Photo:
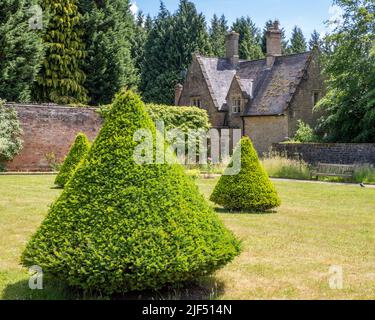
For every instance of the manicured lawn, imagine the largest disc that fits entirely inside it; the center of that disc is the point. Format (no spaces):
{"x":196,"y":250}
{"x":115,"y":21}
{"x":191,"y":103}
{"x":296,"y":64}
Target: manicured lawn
{"x":286,"y":254}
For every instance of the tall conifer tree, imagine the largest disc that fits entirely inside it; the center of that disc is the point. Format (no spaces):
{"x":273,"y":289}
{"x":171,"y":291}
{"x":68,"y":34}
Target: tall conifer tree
{"x":21,"y":50}
{"x":169,"y":48}
{"x":315,"y":40}
{"x":61,"y":78}
{"x":297,"y":42}
{"x":109,"y":30}
{"x":218,"y":32}
{"x":250,"y":48}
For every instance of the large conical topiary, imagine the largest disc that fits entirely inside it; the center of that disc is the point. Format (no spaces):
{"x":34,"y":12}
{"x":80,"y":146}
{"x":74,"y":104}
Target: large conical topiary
{"x":120,"y":226}
{"x":251,"y":189}
{"x":78,"y":151}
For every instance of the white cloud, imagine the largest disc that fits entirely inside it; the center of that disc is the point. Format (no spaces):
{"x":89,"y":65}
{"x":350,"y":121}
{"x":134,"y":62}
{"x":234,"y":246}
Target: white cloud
{"x":335,"y":17}
{"x":134,"y":8}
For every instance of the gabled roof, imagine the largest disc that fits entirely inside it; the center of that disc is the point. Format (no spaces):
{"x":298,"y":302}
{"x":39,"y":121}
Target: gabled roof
{"x":273,"y":88}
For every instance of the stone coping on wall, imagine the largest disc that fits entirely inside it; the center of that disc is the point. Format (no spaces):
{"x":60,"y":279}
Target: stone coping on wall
{"x":333,"y":153}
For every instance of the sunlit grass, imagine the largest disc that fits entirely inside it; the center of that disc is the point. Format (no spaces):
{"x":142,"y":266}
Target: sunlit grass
{"x":286,"y":255}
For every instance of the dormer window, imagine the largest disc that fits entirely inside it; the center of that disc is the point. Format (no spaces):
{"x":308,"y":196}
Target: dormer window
{"x":196,"y":102}
{"x":236,"y":105}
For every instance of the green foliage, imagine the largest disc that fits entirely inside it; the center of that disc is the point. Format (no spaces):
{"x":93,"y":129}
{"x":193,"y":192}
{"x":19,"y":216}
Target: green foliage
{"x":77,"y":153}
{"x":184,"y":118}
{"x":108,"y":35}
{"x":249,"y":43}
{"x":305,"y":133}
{"x":10,"y":133}
{"x":21,"y":51}
{"x":251,"y":189}
{"x":315,"y":41}
{"x":297,"y":42}
{"x":349,"y":66}
{"x":169,"y":49}
{"x":120,"y":226}
{"x":218,"y":32}
{"x":61,"y":79}
{"x":364,"y":174}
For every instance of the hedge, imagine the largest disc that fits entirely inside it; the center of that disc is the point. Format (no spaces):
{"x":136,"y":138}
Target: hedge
{"x":184,"y":118}
{"x":251,"y":189}
{"x":120,"y":226}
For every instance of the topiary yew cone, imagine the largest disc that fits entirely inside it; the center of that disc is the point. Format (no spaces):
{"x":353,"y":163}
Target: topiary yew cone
{"x":251,"y":189}
{"x":119,"y":226}
{"x":77,"y":153}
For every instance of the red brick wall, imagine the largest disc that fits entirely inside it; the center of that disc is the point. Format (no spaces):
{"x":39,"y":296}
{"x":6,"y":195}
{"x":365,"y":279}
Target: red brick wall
{"x":51,"y":129}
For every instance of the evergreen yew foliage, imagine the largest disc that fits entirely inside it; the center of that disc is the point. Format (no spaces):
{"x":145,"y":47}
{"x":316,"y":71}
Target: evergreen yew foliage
{"x":61,"y":79}
{"x":77,"y":153}
{"x":120,"y":226}
{"x":251,"y":189}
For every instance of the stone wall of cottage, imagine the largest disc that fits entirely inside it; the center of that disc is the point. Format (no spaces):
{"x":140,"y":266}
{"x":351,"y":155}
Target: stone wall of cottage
{"x":196,"y":87}
{"x":301,"y":107}
{"x":265,"y":131}
{"x":50,"y":130}
{"x":235,"y":119}
{"x":332,"y":153}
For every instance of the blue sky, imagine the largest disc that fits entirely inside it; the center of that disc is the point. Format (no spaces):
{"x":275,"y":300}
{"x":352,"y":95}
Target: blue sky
{"x":307,"y":14}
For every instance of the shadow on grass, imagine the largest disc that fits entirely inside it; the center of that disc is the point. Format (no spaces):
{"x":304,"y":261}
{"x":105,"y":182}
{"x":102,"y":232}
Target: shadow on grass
{"x":204,"y":289}
{"x":259,"y":213}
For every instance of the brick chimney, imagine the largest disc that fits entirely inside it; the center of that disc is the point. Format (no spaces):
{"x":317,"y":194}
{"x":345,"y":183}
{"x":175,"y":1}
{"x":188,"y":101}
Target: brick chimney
{"x":231,"y":45}
{"x":273,"y":43}
{"x":178,"y":92}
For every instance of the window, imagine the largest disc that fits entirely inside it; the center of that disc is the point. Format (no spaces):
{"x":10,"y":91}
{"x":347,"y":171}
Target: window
{"x":196,"y":102}
{"x":316,"y":97}
{"x":236,"y":106}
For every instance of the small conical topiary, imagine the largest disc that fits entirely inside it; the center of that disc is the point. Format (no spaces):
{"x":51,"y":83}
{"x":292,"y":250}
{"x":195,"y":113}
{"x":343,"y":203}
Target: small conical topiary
{"x":120,"y":226}
{"x":251,"y":189}
{"x":78,"y":151}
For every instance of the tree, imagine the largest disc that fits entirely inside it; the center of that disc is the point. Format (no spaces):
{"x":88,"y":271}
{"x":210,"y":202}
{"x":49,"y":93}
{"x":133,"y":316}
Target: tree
{"x":77,"y":153}
{"x":349,"y":66}
{"x":218,"y":31}
{"x":297,"y":42}
{"x":251,"y":189}
{"x":122,"y":226}
{"x":249,"y":44}
{"x":61,"y":78}
{"x":108,"y":36}
{"x":141,"y":29}
{"x":315,"y":41}
{"x":10,"y":133}
{"x":21,"y":50}
{"x":169,"y":49}
{"x":284,"y":42}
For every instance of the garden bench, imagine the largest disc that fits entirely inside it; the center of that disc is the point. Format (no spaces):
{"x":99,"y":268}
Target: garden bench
{"x":333,"y":170}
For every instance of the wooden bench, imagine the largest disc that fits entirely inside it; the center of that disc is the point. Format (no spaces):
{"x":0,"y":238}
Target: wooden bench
{"x":333,"y":170}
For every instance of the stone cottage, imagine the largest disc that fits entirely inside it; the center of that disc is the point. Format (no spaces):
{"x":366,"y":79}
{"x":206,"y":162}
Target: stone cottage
{"x":265,"y":98}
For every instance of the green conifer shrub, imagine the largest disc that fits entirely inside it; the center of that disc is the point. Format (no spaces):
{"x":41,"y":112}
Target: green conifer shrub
{"x":251,"y":189}
{"x":78,"y":151}
{"x":120,"y":226}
